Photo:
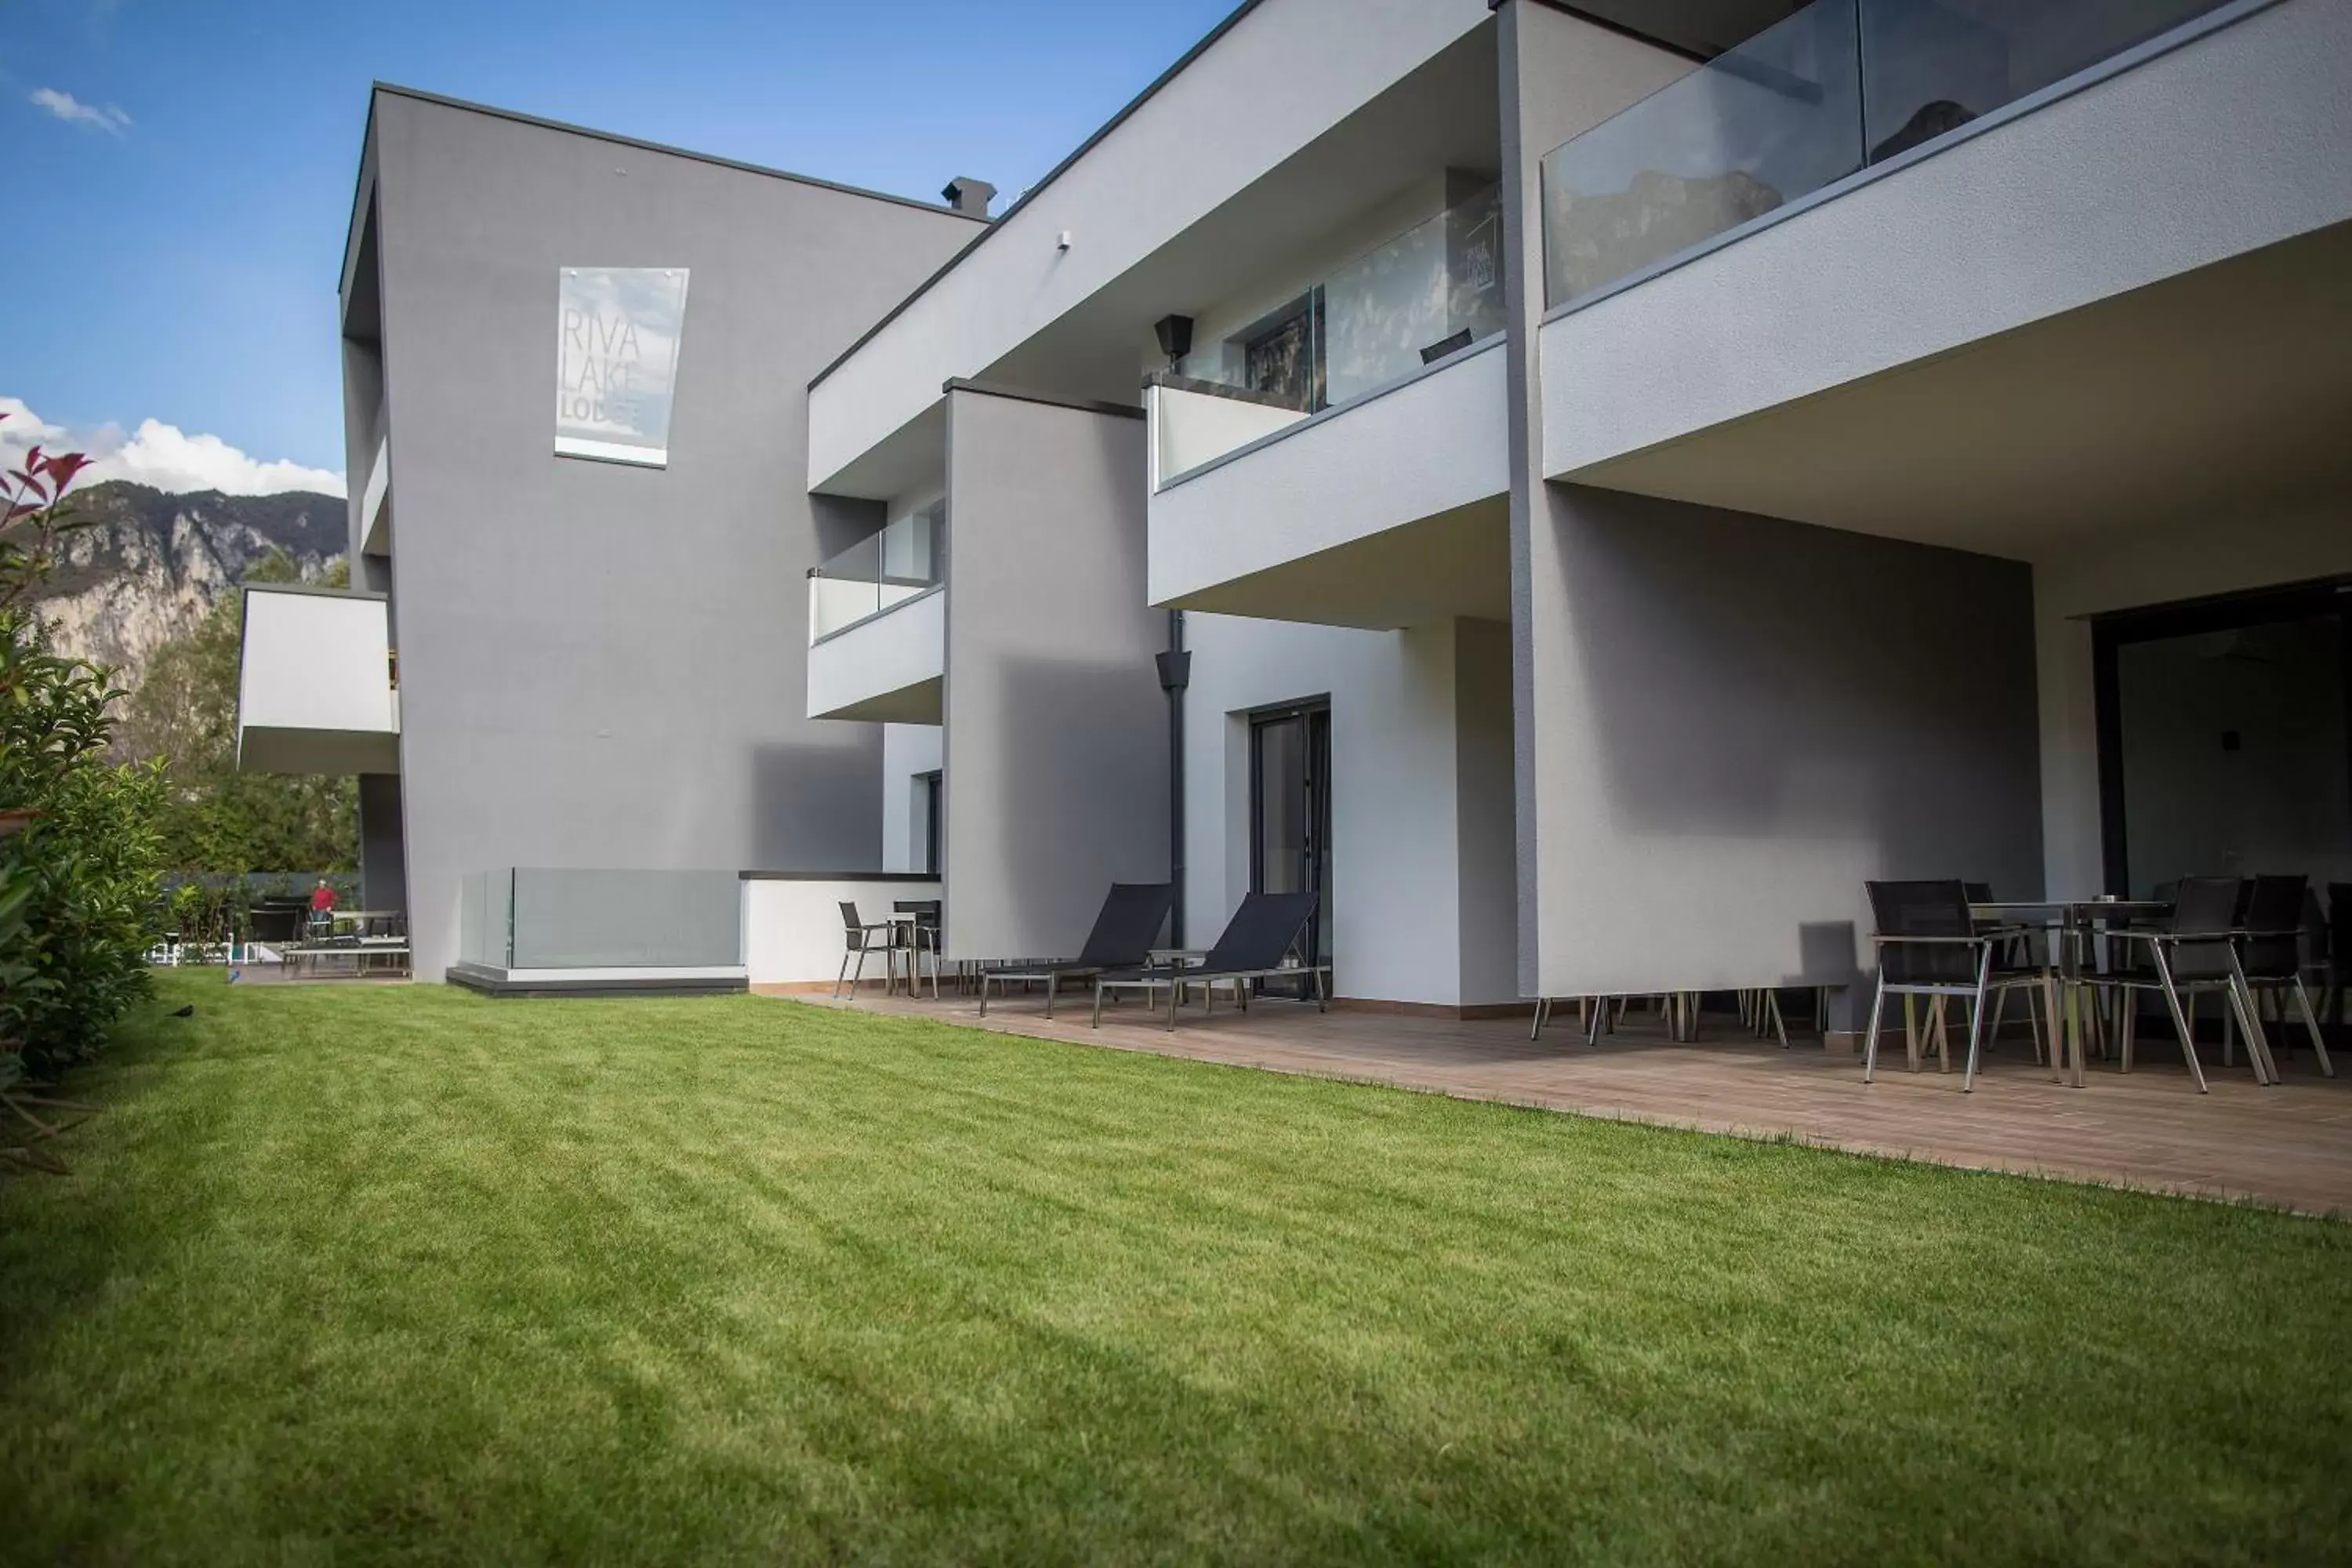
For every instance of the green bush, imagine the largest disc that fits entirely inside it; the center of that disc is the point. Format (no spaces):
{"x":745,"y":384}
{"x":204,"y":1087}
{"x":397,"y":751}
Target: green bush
{"x":78,"y":863}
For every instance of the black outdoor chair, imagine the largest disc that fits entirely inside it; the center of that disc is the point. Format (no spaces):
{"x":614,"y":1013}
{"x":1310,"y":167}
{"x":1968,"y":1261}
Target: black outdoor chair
{"x":916,"y":937}
{"x":1258,"y":944}
{"x":1930,"y":945}
{"x":1124,"y":928}
{"x":2270,"y":960}
{"x":2018,"y":954}
{"x":2189,"y":955}
{"x":861,"y":936}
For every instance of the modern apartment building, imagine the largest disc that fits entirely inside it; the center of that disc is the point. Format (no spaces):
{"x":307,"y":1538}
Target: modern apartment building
{"x":1583,"y":486}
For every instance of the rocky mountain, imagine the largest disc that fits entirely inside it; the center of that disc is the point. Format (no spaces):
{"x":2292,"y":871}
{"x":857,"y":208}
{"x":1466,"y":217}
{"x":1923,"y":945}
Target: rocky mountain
{"x":155,"y":562}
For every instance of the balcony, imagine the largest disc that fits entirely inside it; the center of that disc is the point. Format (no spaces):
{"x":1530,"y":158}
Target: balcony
{"x":316,"y":688}
{"x":1765,"y":274}
{"x":1343,"y":458}
{"x":1840,"y":87}
{"x":1288,"y":117}
{"x":1413,"y":301}
{"x":877,"y":625}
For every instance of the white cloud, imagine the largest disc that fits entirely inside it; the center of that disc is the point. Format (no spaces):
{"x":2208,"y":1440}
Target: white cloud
{"x":158,"y":454}
{"x":65,"y":106}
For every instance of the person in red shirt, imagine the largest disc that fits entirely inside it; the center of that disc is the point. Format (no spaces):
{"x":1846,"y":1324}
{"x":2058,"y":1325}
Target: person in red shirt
{"x":322,"y":904}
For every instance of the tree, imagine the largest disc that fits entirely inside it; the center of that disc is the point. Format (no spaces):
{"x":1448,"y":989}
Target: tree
{"x":217,"y":819}
{"x":78,"y":841}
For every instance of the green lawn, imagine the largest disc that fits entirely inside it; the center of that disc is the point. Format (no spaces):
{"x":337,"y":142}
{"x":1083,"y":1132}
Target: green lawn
{"x":405,"y":1274}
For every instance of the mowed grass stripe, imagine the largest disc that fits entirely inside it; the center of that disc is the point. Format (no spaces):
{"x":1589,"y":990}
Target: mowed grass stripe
{"x":391,"y":1275}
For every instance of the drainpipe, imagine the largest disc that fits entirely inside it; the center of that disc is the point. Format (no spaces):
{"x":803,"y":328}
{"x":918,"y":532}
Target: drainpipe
{"x":1175,"y":674}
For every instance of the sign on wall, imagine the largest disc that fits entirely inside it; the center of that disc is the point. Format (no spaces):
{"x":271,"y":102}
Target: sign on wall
{"x":617,"y":331}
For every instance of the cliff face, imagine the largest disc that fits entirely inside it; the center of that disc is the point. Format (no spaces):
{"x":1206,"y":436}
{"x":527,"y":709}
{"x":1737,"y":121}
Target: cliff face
{"x":156,"y":563}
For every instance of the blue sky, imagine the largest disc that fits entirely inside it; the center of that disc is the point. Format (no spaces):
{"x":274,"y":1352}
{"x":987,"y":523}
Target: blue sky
{"x":184,"y":167}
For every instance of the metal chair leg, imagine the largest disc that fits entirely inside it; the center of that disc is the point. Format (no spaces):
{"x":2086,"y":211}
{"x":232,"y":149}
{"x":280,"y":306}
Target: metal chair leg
{"x":2180,"y":1019}
{"x":841,"y":974}
{"x":1870,"y":1040}
{"x":2258,"y":1042}
{"x":1780,"y":1025}
{"x":1976,"y":1020}
{"x":2311,"y":1023}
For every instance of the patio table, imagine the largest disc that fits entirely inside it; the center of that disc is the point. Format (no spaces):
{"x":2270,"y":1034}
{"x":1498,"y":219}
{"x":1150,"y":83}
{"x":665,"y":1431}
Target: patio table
{"x":2073,"y":924}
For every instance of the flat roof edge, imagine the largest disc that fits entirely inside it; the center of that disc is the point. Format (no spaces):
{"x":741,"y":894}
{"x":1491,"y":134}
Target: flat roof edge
{"x":640,"y":144}
{"x":1055,"y":172}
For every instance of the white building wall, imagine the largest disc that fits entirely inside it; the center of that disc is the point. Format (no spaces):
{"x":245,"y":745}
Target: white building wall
{"x":1396,"y":856}
{"x":793,"y":930}
{"x":909,"y":752}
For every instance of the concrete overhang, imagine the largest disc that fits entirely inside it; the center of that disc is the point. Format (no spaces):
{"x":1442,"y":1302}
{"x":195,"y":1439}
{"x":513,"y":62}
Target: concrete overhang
{"x":888,"y":669}
{"x":1388,"y":512}
{"x":2204,"y":396}
{"x":1176,"y":207}
{"x":314,"y":684}
{"x":2040,"y":319}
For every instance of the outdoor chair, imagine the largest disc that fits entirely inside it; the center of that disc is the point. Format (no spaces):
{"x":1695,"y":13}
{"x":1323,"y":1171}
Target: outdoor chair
{"x":2270,"y":962}
{"x":2192,"y":954}
{"x":917,"y":936}
{"x":1258,"y":944}
{"x":860,"y":937}
{"x":1929,"y":945}
{"x":1124,"y":928}
{"x":2017,"y":954}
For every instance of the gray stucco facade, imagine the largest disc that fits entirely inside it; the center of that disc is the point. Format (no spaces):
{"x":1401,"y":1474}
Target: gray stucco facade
{"x":1737,"y":721}
{"x":1056,"y":730}
{"x":603,"y":665}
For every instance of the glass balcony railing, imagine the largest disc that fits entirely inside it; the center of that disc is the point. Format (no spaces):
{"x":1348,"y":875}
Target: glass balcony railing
{"x":1423,"y":294}
{"x":879,"y":572}
{"x":1839,"y":86}
{"x":541,"y":919}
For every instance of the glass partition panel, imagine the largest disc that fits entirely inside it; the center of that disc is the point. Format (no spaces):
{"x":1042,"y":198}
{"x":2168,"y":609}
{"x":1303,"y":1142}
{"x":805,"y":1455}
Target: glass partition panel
{"x":485,"y":918}
{"x":906,"y":558}
{"x":1409,"y":301}
{"x":1805,"y":102}
{"x":1433,"y":289}
{"x":1775,"y":118}
{"x":1932,"y":66}
{"x":627,"y":920}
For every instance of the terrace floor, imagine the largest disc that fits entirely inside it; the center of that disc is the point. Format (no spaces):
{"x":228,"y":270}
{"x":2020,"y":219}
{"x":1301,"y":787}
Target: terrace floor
{"x":2289,"y":1146}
